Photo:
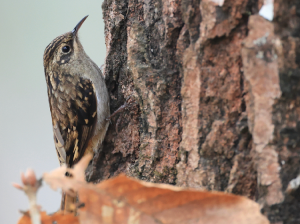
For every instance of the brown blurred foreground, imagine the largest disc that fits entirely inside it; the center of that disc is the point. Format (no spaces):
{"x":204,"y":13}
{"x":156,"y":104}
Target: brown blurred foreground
{"x":125,"y":200}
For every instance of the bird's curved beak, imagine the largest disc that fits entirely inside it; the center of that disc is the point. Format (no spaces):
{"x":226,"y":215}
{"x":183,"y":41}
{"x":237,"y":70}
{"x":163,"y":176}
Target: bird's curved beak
{"x":77,"y":27}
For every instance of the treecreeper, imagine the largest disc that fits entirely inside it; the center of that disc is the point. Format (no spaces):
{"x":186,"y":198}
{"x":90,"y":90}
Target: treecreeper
{"x":79,"y":102}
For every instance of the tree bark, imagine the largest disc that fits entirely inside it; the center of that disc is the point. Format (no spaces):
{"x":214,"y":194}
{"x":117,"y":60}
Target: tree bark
{"x":216,"y":88}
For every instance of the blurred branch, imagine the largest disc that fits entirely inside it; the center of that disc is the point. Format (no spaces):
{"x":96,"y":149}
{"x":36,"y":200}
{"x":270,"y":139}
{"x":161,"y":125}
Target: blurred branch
{"x":31,"y":186}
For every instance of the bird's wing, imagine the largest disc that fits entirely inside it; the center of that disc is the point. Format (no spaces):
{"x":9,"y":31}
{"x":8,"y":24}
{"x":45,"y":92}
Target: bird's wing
{"x":73,"y":108}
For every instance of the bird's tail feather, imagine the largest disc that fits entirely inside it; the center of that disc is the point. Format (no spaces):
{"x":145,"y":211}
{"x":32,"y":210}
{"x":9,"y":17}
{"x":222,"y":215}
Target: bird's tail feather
{"x":68,"y":203}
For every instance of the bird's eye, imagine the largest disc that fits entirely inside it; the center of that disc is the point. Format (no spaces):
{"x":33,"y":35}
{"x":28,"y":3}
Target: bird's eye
{"x":65,"y":49}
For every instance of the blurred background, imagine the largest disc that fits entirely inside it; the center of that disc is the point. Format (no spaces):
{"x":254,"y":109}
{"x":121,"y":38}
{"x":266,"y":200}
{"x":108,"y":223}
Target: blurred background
{"x":26,"y":28}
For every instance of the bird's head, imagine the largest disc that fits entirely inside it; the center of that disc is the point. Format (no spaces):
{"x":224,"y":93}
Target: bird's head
{"x":65,"y":49}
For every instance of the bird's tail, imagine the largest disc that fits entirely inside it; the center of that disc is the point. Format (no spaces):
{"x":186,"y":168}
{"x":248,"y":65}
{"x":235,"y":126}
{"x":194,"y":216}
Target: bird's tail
{"x":68,"y":203}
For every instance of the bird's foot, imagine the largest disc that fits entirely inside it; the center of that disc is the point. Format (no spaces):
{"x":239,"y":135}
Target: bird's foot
{"x":128,"y":103}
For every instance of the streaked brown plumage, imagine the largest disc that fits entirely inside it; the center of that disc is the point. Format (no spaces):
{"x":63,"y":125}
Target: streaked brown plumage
{"x":78,"y":98}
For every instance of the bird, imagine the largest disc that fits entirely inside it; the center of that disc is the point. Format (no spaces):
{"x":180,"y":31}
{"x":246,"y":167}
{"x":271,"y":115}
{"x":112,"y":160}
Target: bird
{"x":78,"y":99}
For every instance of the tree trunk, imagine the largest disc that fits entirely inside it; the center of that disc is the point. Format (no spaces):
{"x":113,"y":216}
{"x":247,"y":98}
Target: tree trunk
{"x":216,"y":91}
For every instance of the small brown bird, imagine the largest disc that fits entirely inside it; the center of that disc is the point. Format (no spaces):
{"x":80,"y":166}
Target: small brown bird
{"x":79,"y":101}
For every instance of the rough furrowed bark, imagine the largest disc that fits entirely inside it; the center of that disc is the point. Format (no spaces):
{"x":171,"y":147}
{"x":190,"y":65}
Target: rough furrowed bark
{"x":216,"y":92}
{"x":141,"y":40}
